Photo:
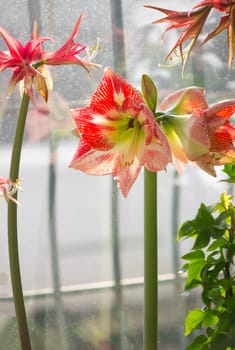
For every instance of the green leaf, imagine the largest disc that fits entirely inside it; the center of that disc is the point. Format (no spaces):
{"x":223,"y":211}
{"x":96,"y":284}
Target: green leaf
{"x":231,"y":333}
{"x":194,"y":267}
{"x":230,"y":303}
{"x":215,"y":296}
{"x":229,"y":180}
{"x":198,"y":343}
{"x":205,"y":299}
{"x":221,"y":219}
{"x":203,"y":227}
{"x":211,"y":272}
{"x":201,"y":241}
{"x":192,"y":283}
{"x":220,"y":342}
{"x":229,"y":169}
{"x":218,"y":243}
{"x":225,"y":323}
{"x":209,"y":331}
{"x":226,"y":284}
{"x":218,"y":230}
{"x":186,"y":229}
{"x":149,"y":92}
{"x":204,"y":219}
{"x":210,"y":319}
{"x":193,"y":320}
{"x":196,"y":255}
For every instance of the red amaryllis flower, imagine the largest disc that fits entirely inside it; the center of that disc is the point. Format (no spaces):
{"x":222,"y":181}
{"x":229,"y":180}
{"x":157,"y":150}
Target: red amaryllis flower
{"x":8,"y":189}
{"x":69,"y":52}
{"x":197,"y":132}
{"x":191,"y":22}
{"x":118,"y":134}
{"x":21,"y":59}
{"x":28,"y":62}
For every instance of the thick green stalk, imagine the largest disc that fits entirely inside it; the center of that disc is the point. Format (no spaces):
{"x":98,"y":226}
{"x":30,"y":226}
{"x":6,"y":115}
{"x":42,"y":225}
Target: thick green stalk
{"x":12,"y":230}
{"x":150,"y":261}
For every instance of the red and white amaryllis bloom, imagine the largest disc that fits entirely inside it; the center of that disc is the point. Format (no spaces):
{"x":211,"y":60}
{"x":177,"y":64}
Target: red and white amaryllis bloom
{"x":118,"y":134}
{"x":198,"y":132}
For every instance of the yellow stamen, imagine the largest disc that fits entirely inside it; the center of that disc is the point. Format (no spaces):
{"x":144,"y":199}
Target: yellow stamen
{"x":132,"y":149}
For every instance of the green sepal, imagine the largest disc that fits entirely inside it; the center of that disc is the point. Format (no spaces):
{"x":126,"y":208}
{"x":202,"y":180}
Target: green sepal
{"x":149,"y":92}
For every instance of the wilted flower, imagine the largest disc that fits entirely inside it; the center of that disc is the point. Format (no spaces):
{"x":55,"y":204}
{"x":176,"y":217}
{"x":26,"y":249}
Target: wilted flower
{"x":118,"y":134}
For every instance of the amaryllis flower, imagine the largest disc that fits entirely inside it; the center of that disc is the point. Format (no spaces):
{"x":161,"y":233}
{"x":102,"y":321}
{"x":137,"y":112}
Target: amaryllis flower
{"x":118,"y":134}
{"x":191,"y":22}
{"x":8,"y":189}
{"x":197,"y":132}
{"x":227,"y":22}
{"x":29,"y":61}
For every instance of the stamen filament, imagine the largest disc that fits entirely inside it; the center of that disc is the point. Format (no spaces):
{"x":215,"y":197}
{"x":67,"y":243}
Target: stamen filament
{"x":130,"y":155}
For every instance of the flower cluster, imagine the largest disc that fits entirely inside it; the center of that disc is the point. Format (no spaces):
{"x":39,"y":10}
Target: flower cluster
{"x":122,"y":129}
{"x":119,"y":133}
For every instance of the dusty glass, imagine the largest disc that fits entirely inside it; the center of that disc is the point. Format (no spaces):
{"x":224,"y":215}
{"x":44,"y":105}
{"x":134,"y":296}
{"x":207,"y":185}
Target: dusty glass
{"x":81,"y":242}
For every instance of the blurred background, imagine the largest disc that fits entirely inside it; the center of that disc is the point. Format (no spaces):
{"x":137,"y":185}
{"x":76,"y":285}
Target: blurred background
{"x":80,"y":241}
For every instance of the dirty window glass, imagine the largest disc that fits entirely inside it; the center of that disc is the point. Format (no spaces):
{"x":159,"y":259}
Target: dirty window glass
{"x":81,"y":242}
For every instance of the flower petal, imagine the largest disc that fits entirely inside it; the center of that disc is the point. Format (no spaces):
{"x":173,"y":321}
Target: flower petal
{"x":114,"y":90}
{"x":184,"y":101}
{"x":91,"y":161}
{"x":69,"y":51}
{"x":157,"y":154}
{"x":126,"y":175}
{"x":93,"y":128}
{"x":175,"y":143}
{"x":220,"y":112}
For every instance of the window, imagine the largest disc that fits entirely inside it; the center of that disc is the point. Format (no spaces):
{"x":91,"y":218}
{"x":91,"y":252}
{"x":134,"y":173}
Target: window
{"x":80,"y":241}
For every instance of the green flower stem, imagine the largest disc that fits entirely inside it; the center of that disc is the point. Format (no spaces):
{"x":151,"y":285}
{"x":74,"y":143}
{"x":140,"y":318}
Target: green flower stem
{"x":12,"y":230}
{"x":150,"y":261}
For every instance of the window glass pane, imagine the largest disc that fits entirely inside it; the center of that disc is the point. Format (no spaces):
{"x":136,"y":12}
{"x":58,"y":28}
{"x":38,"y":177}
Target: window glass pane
{"x":78,"y":237}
